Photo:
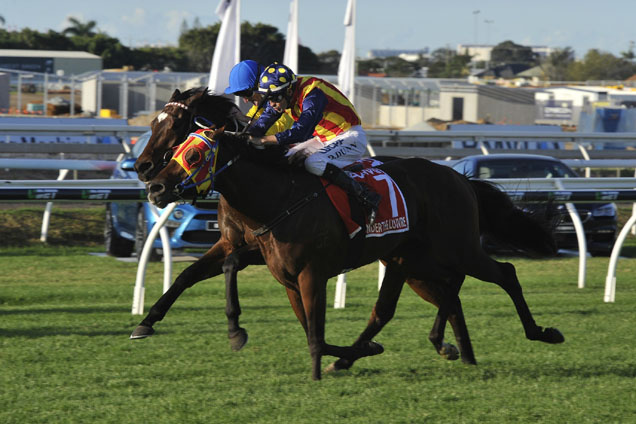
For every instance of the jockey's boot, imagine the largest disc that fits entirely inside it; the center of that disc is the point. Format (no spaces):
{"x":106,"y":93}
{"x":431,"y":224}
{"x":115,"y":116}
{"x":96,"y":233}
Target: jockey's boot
{"x":369,"y":199}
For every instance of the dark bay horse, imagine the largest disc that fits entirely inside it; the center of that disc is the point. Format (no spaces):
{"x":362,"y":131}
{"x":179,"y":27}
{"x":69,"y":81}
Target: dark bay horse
{"x":234,"y":250}
{"x":237,"y":247}
{"x":303,"y":251}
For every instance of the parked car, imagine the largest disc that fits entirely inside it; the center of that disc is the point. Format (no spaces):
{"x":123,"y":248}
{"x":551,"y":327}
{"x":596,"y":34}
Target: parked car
{"x":128,"y":224}
{"x":599,"y":219}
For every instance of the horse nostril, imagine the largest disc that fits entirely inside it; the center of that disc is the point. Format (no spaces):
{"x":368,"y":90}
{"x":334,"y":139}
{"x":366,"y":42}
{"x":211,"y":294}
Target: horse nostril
{"x":144,"y":167}
{"x":156,"y":189}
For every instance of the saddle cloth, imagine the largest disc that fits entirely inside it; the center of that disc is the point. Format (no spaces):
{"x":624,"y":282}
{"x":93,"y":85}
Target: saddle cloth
{"x":392,"y":216}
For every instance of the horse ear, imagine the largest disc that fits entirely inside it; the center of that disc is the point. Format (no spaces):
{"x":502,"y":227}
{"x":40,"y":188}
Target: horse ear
{"x":175,"y":94}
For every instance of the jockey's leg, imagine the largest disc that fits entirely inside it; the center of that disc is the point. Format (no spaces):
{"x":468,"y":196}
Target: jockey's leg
{"x":340,"y":151}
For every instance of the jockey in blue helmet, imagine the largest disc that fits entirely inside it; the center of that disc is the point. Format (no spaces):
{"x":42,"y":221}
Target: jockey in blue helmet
{"x":244,"y":83}
{"x":327,"y":130}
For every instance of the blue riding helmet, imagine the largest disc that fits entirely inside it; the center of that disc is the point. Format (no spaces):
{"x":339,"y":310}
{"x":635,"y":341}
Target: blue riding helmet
{"x":244,"y":76}
{"x":276,"y":77}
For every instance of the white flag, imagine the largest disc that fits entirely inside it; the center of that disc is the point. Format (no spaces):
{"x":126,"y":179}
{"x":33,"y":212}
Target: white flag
{"x":291,"y":45}
{"x":227,"y":51}
{"x":346,"y":69}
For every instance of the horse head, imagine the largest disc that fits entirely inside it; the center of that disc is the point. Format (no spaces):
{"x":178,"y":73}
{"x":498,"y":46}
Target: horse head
{"x":185,"y":112}
{"x":192,"y":168}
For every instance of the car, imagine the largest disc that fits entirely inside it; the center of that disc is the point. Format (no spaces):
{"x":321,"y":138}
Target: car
{"x":599,"y":220}
{"x":127,"y":224}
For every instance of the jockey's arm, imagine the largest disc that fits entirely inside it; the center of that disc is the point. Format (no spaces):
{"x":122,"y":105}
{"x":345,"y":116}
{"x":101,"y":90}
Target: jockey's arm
{"x":284,"y":121}
{"x":266,"y":119}
{"x":313,"y":109}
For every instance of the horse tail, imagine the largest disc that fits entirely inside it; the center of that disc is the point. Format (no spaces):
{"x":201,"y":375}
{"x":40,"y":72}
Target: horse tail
{"x":500,"y":219}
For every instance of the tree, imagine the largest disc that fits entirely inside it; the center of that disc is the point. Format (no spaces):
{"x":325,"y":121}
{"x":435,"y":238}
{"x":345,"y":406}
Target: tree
{"x":260,"y":42}
{"x":112,"y":52}
{"x":507,"y":52}
{"x":2,"y":21}
{"x":79,"y":28}
{"x":629,"y":54}
{"x":446,"y":63}
{"x":557,"y":65}
{"x":598,"y":65}
{"x":198,"y":46}
{"x":184,"y":27}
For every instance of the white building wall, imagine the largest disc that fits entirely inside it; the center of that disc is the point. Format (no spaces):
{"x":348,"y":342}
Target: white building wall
{"x":509,"y":113}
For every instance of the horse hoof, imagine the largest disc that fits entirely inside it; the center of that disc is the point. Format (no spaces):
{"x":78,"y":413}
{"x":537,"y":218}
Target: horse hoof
{"x":374,"y":348}
{"x":238,"y":339}
{"x":449,"y":352}
{"x":339,"y":365}
{"x":552,"y":335}
{"x":141,"y":332}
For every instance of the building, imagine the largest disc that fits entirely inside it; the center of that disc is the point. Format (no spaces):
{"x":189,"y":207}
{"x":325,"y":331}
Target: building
{"x":481,"y":52}
{"x":408,"y":55}
{"x":50,"y":61}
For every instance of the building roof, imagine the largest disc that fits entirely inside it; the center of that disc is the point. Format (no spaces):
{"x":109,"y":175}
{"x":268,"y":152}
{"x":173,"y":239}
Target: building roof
{"x":47,"y":53}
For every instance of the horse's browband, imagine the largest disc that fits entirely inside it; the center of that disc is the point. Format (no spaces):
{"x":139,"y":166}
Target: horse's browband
{"x":181,"y":105}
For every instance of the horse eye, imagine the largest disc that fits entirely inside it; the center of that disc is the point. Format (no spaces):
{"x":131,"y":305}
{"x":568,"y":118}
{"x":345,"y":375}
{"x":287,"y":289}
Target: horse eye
{"x":193,"y":157}
{"x":167,"y":156}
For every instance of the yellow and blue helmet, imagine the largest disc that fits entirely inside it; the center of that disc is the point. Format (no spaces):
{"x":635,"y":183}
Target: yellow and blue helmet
{"x":276,"y":78}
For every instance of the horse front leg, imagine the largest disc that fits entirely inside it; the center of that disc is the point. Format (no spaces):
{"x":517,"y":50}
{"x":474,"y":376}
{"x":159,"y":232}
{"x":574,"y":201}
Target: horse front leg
{"x":312,"y":289}
{"x":234,"y":262}
{"x":207,"y":266}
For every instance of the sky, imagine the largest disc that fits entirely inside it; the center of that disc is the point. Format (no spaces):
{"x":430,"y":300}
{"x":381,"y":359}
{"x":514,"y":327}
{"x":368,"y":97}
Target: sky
{"x":380,"y":24}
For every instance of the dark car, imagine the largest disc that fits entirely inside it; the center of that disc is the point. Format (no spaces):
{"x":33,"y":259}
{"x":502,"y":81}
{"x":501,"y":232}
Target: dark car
{"x":128,"y":224}
{"x":599,"y":219}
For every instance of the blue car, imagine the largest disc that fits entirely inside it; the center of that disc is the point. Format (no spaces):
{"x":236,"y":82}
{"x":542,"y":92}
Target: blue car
{"x":128,"y":224}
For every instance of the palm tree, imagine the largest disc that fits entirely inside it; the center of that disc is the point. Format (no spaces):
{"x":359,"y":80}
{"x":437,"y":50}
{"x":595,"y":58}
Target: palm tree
{"x":79,"y":28}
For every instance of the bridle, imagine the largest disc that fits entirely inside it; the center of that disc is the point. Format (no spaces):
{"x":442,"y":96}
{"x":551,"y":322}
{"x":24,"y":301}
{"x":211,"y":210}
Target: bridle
{"x":199,"y":121}
{"x":208,"y":163}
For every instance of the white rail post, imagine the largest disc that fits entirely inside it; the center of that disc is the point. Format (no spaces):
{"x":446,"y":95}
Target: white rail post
{"x":610,"y":279}
{"x":341,"y":292}
{"x":44,"y":232}
{"x":381,"y":273}
{"x":167,"y":252}
{"x":138,"y":294}
{"x":580,"y":236}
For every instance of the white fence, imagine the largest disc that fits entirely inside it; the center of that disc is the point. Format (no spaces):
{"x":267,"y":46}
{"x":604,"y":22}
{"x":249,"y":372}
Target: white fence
{"x":587,"y":147}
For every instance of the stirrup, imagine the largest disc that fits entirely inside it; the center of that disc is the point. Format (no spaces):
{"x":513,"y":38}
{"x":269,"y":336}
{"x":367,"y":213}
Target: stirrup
{"x":372,"y":217}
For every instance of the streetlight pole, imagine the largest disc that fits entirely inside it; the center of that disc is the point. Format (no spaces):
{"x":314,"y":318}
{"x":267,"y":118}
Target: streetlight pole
{"x":488,"y":22}
{"x":475,"y":14}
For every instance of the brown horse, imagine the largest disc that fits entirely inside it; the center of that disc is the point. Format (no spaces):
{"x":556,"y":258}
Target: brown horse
{"x":185,"y":112}
{"x":238,"y":248}
{"x":304,"y":250}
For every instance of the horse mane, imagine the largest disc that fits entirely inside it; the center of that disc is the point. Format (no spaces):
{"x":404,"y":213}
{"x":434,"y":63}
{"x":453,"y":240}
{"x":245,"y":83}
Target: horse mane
{"x":209,"y":101}
{"x":271,"y":156}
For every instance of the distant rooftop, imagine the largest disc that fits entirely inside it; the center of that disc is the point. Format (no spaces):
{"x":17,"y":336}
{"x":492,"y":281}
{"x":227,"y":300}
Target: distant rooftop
{"x":382,"y":53}
{"x":47,"y":53}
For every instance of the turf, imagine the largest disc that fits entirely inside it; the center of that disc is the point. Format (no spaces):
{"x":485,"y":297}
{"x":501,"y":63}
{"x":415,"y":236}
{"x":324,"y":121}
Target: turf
{"x":65,"y":356}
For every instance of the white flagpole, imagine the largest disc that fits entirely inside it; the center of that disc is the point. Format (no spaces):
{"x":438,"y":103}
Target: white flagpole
{"x":346,"y":69}
{"x":227,"y":51}
{"x":290,"y":57}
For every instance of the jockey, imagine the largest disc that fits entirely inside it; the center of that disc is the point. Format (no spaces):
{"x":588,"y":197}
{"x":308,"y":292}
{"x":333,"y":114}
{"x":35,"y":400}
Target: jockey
{"x":327,"y":130}
{"x":244,"y":84}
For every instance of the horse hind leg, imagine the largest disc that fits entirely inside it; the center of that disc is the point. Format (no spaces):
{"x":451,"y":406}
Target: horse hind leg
{"x":504,"y":275}
{"x":383,"y":311}
{"x":444,"y":295}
